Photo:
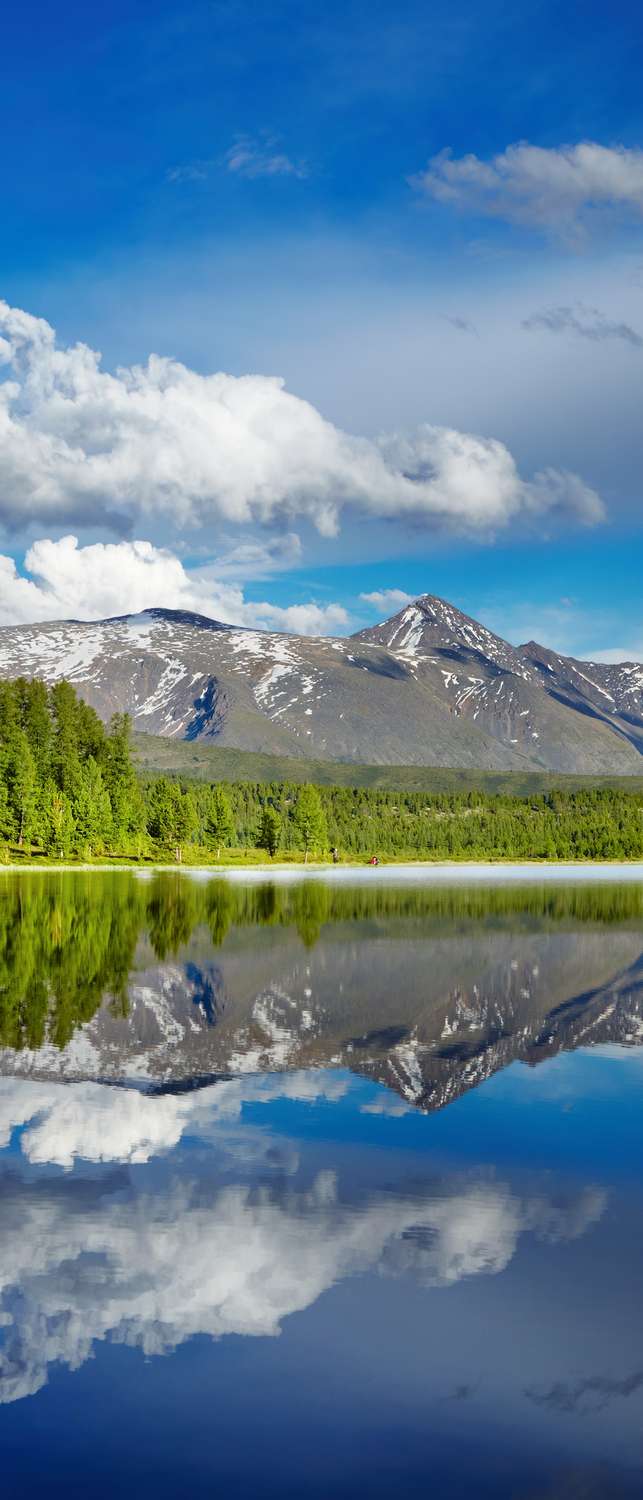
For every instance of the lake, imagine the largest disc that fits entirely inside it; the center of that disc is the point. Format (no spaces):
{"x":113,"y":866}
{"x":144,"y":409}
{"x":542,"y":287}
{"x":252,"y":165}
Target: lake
{"x":320,"y":1189}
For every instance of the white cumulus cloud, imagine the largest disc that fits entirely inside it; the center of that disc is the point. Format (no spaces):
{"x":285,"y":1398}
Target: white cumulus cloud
{"x":552,"y":189}
{"x":80,"y":446}
{"x":113,"y":578}
{"x":387,"y":599}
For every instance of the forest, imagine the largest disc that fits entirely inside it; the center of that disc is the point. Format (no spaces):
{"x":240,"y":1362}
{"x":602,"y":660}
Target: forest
{"x":70,"y":789}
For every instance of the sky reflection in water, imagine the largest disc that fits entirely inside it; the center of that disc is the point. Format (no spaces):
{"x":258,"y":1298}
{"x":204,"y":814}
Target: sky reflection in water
{"x":385,"y":1267}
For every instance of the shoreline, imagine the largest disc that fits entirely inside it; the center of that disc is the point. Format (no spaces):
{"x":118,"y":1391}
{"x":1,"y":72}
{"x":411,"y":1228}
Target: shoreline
{"x":438,"y":871}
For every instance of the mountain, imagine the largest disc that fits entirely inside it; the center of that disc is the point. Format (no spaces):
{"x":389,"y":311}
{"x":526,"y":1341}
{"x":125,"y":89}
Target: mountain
{"x":430,"y":1017}
{"x":428,"y":687}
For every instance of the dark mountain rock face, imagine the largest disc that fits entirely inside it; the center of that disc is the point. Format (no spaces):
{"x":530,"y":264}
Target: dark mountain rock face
{"x":428,"y":687}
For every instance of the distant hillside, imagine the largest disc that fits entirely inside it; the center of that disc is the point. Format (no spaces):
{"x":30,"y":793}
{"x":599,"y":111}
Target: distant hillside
{"x":200,"y":760}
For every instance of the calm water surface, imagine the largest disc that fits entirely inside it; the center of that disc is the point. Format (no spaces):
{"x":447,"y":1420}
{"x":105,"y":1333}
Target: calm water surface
{"x":319,"y":1190}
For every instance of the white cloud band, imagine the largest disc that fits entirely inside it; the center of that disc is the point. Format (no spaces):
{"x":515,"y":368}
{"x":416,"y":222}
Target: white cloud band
{"x":82,"y":447}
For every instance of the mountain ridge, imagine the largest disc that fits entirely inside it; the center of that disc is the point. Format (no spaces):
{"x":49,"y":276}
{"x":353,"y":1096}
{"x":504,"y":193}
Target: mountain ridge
{"x":428,"y":686}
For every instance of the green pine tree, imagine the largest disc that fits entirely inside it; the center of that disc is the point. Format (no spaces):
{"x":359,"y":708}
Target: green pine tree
{"x":92,"y":811}
{"x":270,"y":830}
{"x":128,"y":814}
{"x":21,"y":788}
{"x":219,"y":826}
{"x":310,"y":820}
{"x":60,"y":827}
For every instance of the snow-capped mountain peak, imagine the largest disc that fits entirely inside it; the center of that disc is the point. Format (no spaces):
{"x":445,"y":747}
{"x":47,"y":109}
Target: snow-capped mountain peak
{"x":429,"y":686}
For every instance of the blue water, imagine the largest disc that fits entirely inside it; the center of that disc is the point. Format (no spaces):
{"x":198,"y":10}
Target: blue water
{"x":302,"y":1295}
{"x":295,"y":1281}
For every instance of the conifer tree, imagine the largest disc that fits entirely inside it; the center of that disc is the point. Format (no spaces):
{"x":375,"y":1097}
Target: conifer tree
{"x":65,"y":747}
{"x":20,"y":781}
{"x":92,"y":811}
{"x":60,"y":826}
{"x":186,"y":820}
{"x":127,"y":811}
{"x":159,"y":815}
{"x":37,"y":724}
{"x":219,"y":827}
{"x":269,"y":837}
{"x":172,"y":819}
{"x":310,"y":819}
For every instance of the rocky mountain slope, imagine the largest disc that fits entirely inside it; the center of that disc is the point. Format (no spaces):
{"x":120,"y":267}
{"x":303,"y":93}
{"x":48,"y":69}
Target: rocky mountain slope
{"x":428,"y":687}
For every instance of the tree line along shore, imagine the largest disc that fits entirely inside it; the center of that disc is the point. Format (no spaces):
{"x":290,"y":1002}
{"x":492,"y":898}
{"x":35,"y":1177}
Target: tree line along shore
{"x":70,"y":789}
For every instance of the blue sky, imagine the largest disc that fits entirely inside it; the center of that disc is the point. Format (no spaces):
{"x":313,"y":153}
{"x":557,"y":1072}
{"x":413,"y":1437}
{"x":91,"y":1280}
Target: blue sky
{"x":261,"y":190}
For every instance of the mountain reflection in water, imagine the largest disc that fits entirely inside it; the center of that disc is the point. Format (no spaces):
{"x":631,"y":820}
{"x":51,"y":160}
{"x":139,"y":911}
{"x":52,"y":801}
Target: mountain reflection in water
{"x":429,"y":991}
{"x":244,"y":1246}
